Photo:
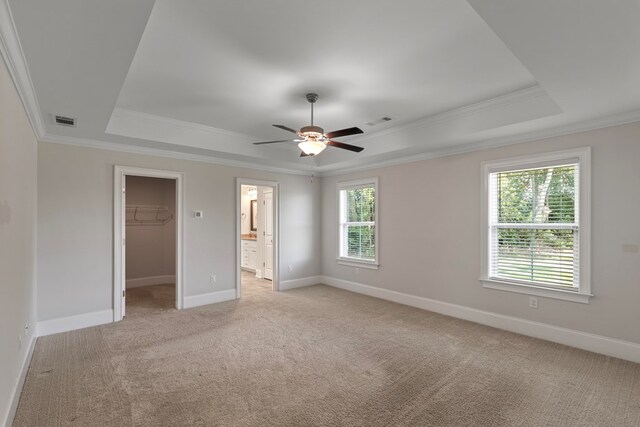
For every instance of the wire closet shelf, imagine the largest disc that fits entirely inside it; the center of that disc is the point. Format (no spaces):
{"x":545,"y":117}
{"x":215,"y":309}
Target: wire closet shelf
{"x":147,"y":215}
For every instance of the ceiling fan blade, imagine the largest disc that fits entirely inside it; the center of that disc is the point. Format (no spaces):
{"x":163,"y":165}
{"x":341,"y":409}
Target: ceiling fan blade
{"x":288,"y":129}
{"x":344,"y":132}
{"x":303,"y":154}
{"x":345,"y":146}
{"x":271,"y":142}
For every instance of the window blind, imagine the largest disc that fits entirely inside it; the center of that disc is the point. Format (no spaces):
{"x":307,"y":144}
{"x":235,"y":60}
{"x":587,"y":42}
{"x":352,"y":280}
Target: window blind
{"x":357,"y":222}
{"x":534,"y":226}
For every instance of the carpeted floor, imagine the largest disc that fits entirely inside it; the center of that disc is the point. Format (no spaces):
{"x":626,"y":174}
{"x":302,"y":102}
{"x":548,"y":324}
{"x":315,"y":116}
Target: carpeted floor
{"x":150,"y":300}
{"x":318,"y":356}
{"x":252,"y":286}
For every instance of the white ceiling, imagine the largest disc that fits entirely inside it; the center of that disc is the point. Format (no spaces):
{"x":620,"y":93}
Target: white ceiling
{"x":210,"y":77}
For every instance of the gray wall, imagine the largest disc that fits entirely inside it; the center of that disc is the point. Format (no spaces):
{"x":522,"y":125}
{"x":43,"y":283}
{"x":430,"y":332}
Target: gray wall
{"x":18,"y":170}
{"x":430,"y":233}
{"x":75,"y":225}
{"x":151,"y":249}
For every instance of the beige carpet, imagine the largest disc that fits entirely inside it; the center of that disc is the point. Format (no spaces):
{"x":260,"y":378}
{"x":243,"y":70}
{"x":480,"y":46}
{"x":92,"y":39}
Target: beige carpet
{"x":318,"y":356}
{"x":150,"y":300}
{"x":252,"y":286}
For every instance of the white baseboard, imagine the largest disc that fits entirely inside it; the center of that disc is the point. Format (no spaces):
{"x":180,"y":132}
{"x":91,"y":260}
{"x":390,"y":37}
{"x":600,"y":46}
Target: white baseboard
{"x":150,"y":281}
{"x":209,"y":298}
{"x":597,"y":343}
{"x":300,"y":283}
{"x":79,"y":321}
{"x":17,"y":390}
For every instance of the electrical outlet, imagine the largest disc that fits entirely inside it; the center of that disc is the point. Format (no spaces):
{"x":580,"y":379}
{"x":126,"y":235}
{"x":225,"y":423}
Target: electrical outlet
{"x":213,"y":279}
{"x":533,"y":302}
{"x":290,"y":268}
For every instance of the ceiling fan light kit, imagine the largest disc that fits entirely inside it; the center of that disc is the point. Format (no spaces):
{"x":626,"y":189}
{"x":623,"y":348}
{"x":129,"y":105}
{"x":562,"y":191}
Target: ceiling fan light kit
{"x":312,"y":140}
{"x":311,"y":147}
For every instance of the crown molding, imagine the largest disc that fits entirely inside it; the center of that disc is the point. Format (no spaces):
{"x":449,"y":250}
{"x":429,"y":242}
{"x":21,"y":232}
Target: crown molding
{"x":11,"y":51}
{"x":506,"y":100}
{"x":502,"y":101}
{"x":189,"y":130}
{"x":133,"y":149}
{"x":583,"y":126}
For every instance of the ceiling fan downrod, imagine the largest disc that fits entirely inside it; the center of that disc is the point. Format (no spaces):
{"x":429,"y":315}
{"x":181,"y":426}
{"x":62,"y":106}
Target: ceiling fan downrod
{"x":312,"y":98}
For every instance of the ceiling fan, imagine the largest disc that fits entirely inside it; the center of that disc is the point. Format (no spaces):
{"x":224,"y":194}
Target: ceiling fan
{"x":312,"y":139}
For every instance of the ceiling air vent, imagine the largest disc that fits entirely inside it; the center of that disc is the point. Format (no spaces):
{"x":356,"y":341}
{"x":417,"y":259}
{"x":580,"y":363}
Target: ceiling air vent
{"x":380,"y":120}
{"x":64,"y":120}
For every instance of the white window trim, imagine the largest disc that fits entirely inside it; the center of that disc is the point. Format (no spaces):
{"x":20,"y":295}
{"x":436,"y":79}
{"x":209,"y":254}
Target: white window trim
{"x":355,"y":262}
{"x":583,"y":158}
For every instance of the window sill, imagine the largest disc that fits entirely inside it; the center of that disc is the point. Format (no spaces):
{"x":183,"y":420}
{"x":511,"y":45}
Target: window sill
{"x":357,"y":263}
{"x":561,"y":294}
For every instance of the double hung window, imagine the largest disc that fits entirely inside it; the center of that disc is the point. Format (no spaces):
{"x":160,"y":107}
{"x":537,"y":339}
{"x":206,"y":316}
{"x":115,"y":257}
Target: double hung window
{"x":536,"y":236}
{"x":358,"y":217}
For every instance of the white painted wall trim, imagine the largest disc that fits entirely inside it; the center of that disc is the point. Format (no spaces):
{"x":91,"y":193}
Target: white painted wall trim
{"x":11,"y":51}
{"x":209,"y":298}
{"x":17,"y":390}
{"x":71,"y":323}
{"x":300,"y":283}
{"x":626,"y":350}
{"x":150,"y":281}
{"x":346,"y":168}
{"x":172,"y":154}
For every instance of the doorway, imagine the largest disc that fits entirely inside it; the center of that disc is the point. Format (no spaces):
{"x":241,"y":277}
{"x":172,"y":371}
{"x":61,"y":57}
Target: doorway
{"x":147,"y":241}
{"x":150,"y":250}
{"x":257,"y":242}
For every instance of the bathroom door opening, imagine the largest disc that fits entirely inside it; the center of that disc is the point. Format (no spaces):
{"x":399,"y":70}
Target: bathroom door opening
{"x":257,"y":237}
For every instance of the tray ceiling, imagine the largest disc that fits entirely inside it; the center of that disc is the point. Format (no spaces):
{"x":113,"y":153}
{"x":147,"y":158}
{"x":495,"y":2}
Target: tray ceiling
{"x":209,"y":78}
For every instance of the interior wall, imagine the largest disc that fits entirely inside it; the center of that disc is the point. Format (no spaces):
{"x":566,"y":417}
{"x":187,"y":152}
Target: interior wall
{"x":18,"y":198}
{"x":429,"y":235}
{"x":75,"y":225}
{"x":151,"y":249}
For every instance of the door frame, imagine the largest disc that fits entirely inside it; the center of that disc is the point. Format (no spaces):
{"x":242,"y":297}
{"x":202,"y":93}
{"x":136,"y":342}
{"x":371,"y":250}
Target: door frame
{"x":276,"y":229}
{"x":119,"y":213}
{"x":263,"y":250}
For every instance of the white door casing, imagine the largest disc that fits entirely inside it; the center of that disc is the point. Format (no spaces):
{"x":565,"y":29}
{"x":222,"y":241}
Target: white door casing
{"x":268,"y":234}
{"x":260,"y":234}
{"x":123,"y":273}
{"x":119,"y":240}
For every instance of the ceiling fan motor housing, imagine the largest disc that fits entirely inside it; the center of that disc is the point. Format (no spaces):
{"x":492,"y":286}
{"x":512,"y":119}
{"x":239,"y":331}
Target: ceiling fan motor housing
{"x":312,"y":131}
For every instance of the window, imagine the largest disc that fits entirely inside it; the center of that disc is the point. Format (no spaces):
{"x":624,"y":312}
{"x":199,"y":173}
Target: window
{"x":537,"y":225}
{"x":358,"y":217}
